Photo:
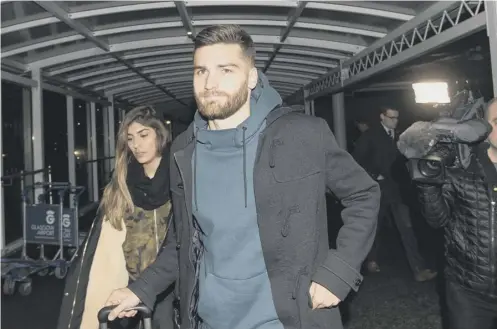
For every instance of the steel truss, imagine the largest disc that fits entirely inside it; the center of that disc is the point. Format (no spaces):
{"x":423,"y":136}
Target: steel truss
{"x":439,"y":25}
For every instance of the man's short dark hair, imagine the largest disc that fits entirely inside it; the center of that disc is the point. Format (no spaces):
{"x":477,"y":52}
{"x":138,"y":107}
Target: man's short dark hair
{"x":227,"y":34}
{"x":384,"y":109}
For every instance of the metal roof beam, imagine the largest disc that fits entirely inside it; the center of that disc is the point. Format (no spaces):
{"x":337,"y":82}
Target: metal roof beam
{"x":136,"y":55}
{"x":185,"y":18}
{"x":204,"y":3}
{"x":85,"y":64}
{"x":181,"y":86}
{"x":189,"y":89}
{"x":74,"y":91}
{"x":15,"y":65}
{"x":121,"y":7}
{"x":325,"y":45}
{"x":292,"y":19}
{"x":359,"y":10}
{"x":18,"y":25}
{"x":75,"y":67}
{"x":28,"y":82}
{"x":18,"y":79}
{"x":62,"y":15}
{"x":125,"y":82}
{"x":67,"y":68}
{"x":29,"y":46}
{"x":155,"y":100}
{"x":58,"y":39}
{"x":148,"y":93}
{"x":102,"y":74}
{"x":116,"y":8}
{"x":301,"y":25}
{"x":22,"y":24}
{"x":124,"y":88}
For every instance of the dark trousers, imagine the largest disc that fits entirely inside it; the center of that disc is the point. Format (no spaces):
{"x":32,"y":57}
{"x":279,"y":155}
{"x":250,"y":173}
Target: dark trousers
{"x":468,"y":310}
{"x":391,"y":204}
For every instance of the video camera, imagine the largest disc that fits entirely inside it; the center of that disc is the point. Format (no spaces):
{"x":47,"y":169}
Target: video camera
{"x":431,"y":147}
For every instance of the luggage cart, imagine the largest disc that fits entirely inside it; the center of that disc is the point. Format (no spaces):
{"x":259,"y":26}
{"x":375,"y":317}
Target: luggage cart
{"x":44,"y":224}
{"x":145,"y":313}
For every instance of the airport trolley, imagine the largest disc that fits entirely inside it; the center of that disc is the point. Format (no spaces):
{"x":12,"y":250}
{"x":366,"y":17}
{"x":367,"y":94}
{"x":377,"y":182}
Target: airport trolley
{"x":44,"y":223}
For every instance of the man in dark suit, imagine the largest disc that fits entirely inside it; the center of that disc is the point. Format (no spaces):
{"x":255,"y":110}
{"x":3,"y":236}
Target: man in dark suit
{"x":376,"y":151}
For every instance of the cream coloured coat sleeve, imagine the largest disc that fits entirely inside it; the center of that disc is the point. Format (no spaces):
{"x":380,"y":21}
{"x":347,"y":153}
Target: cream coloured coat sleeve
{"x":108,"y":272}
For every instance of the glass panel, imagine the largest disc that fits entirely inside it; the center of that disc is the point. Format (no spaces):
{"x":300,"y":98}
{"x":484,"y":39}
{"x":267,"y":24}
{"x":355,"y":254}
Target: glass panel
{"x":102,"y":179}
{"x":117,"y":121}
{"x":11,"y":39}
{"x":81,"y":148}
{"x":7,"y":12}
{"x":55,"y":138}
{"x":13,"y":158}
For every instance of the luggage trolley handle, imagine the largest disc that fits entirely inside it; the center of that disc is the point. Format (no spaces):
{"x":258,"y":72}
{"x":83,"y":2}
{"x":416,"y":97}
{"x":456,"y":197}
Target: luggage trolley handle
{"x":53,"y":186}
{"x":77,"y":190}
{"x":145,"y":312}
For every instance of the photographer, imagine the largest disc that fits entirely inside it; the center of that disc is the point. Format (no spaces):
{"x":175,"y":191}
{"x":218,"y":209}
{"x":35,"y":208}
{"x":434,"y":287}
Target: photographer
{"x":465,"y":207}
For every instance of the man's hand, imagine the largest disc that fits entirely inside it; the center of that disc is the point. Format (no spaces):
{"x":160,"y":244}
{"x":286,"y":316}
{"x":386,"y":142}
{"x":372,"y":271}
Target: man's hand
{"x":124,"y":299}
{"x":322,"y":297}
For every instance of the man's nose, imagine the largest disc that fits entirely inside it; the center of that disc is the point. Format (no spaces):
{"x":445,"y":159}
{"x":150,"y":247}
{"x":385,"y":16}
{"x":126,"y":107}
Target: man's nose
{"x":211,"y":81}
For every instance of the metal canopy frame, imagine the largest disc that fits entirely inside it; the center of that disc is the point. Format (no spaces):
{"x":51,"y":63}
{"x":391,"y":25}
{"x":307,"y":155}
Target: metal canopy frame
{"x":438,"y":25}
{"x":297,"y":41}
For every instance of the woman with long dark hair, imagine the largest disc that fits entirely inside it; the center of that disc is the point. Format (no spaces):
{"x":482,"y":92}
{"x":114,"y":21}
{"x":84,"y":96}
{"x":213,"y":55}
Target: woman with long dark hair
{"x":133,"y":220}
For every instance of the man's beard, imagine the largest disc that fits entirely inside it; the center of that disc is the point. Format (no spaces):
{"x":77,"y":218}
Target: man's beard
{"x":223,"y":107}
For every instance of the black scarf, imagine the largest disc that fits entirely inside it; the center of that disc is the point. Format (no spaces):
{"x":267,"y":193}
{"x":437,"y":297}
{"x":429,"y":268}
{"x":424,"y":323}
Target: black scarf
{"x":149,"y":194}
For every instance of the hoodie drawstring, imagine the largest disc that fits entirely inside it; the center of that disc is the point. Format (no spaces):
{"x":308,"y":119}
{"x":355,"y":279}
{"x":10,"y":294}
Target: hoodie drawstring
{"x":244,"y":129}
{"x":195,"y":170}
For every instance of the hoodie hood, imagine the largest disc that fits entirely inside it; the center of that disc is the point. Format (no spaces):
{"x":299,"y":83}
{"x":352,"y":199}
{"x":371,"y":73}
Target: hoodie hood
{"x":263,"y":100}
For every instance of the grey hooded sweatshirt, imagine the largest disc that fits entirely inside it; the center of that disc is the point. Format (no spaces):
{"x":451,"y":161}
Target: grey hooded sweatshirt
{"x":234,"y":288}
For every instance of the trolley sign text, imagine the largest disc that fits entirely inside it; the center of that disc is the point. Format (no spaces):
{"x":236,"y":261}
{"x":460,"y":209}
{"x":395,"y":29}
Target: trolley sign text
{"x":43,"y":222}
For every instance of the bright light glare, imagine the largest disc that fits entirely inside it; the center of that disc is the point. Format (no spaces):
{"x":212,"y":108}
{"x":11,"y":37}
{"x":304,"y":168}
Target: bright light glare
{"x":431,"y":92}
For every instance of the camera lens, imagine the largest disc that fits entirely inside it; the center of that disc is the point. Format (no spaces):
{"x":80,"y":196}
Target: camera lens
{"x":430,"y":168}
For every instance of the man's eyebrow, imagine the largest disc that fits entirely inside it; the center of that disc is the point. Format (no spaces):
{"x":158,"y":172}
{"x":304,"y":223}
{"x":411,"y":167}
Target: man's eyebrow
{"x":228,"y":65}
{"x":199,"y":67}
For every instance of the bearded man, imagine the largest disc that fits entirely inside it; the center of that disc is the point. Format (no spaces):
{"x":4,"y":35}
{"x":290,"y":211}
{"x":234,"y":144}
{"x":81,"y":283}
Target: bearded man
{"x":248,"y":181}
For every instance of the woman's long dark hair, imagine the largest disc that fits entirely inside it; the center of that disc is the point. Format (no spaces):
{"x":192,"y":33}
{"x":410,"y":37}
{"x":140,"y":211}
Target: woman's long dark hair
{"x":116,"y":200}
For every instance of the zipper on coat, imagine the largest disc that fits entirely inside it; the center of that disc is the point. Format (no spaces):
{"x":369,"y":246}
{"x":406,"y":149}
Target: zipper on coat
{"x":80,"y":270}
{"x":492,"y":248}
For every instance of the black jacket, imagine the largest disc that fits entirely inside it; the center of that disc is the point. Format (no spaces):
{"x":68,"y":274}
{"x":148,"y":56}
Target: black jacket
{"x":465,"y":207}
{"x":297,"y":160}
{"x":378,"y":154}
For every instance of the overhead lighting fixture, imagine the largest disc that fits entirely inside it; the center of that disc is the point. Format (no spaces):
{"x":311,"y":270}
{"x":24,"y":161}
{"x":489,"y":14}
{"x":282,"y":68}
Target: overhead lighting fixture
{"x":168,"y":122}
{"x":431,"y":92}
{"x":189,"y":33}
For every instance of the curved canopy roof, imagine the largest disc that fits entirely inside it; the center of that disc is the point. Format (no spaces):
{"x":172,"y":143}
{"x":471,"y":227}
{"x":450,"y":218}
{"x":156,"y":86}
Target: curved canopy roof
{"x":141,"y":51}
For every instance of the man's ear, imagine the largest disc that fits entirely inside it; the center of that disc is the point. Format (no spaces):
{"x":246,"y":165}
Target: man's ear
{"x":253,"y":78}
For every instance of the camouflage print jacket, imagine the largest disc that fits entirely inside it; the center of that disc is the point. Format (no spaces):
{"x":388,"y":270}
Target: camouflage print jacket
{"x":145,"y":233}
